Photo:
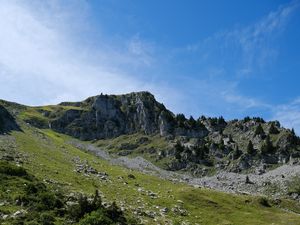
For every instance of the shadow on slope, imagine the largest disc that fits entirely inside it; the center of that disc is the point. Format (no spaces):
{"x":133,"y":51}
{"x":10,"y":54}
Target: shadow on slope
{"x":7,"y":122}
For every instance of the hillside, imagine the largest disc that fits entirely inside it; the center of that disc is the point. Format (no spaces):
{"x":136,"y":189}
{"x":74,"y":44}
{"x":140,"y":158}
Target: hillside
{"x":139,"y":154}
{"x":201,"y":146}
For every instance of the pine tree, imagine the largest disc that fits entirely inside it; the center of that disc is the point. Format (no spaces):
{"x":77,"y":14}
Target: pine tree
{"x":250,"y":148}
{"x":267,"y":146}
{"x":293,"y":132}
{"x":259,"y":130}
{"x":247,"y":119}
{"x":178,"y":150}
{"x":273,"y":129}
{"x":192,"y":122}
{"x":295,"y":139}
{"x":247,"y":180}
{"x":221,"y":120}
{"x":236,"y":153}
{"x":180,"y":118}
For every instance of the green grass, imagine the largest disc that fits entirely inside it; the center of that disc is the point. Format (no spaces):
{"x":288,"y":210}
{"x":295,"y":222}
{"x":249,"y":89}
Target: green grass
{"x":50,"y":157}
{"x":36,"y":115}
{"x":294,"y":185}
{"x":148,"y":149}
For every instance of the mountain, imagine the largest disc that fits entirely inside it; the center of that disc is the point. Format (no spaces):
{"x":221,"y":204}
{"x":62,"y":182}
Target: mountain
{"x":200,"y":146}
{"x":154,"y":164}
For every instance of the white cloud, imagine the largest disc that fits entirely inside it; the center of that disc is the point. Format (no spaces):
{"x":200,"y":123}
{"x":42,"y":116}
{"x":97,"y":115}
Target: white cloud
{"x":40,"y":62}
{"x":228,"y":58}
{"x":242,"y":101}
{"x":44,"y":61}
{"x":289,"y":114}
{"x":255,"y":41}
{"x":247,"y":49}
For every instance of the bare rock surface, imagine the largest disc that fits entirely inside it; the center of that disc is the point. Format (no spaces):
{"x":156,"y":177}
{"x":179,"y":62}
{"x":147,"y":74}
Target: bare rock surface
{"x":223,"y":181}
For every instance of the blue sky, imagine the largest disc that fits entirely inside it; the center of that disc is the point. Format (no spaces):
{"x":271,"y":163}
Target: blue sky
{"x":231,"y":58}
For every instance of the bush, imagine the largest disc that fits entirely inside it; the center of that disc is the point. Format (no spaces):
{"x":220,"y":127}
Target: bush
{"x":264,"y":202}
{"x":33,"y":188}
{"x":83,"y":207}
{"x":48,"y":201}
{"x":32,"y":223}
{"x":98,"y":217}
{"x":17,"y":222}
{"x":116,"y":214}
{"x":46,"y":219}
{"x":12,"y":170}
{"x":102,"y":216}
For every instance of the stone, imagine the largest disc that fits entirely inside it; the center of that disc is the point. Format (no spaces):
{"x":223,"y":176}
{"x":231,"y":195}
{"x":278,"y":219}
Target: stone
{"x":19,"y":213}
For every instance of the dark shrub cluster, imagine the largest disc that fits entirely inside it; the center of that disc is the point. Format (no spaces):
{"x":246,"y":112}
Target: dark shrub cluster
{"x":11,"y":170}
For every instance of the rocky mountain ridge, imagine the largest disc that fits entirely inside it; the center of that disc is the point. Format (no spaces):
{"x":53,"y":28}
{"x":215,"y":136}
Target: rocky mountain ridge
{"x":200,"y":146}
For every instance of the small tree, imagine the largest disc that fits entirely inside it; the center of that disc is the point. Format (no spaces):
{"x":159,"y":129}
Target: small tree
{"x":247,"y":119}
{"x":201,"y":151}
{"x":180,"y":118}
{"x":267,"y":146}
{"x":294,"y":138}
{"x":250,"y":148}
{"x":236,"y":153}
{"x":259,"y":130}
{"x":46,"y":219}
{"x":273,"y":129}
{"x":97,"y":201}
{"x":98,"y":217}
{"x":192,"y":122}
{"x":221,"y":120}
{"x":247,"y":180}
{"x":202,"y":117}
{"x":115,"y":213}
{"x":179,"y":148}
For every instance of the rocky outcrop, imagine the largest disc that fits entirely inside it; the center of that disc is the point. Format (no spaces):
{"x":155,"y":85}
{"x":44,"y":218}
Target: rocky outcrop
{"x":7,"y":121}
{"x":109,"y":116}
{"x":106,"y":116}
{"x":207,"y":144}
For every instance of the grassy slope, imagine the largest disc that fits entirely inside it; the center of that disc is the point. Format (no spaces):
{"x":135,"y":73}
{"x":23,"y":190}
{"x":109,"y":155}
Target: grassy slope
{"x":148,"y":149}
{"x":50,"y":157}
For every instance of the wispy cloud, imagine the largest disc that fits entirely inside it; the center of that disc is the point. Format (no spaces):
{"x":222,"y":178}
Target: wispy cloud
{"x":256,"y":41}
{"x":46,"y":57}
{"x":242,"y":101}
{"x":40,"y":61}
{"x":247,"y":49}
{"x":230,"y":57}
{"x":289,"y":114}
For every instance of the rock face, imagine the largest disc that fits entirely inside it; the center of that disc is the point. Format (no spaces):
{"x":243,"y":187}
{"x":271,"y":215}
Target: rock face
{"x":106,"y":116}
{"x":200,"y":145}
{"x":205,"y":143}
{"x":7,"y":121}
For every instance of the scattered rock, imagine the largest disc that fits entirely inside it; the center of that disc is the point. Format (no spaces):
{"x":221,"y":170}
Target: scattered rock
{"x":19,"y":213}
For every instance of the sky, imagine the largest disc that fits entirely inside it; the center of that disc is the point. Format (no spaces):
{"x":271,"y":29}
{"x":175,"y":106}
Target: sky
{"x":231,"y":58}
